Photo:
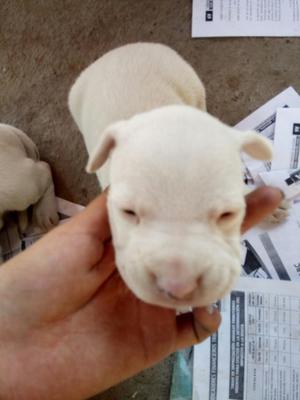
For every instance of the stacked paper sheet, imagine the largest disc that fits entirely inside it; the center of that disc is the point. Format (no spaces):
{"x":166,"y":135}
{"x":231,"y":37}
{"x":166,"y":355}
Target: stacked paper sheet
{"x":217,"y":18}
{"x":273,"y":251}
{"x":12,"y":241}
{"x":255,"y":354}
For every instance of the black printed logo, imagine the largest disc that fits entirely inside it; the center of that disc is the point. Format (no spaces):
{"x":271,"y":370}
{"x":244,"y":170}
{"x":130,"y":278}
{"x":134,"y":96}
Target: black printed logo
{"x":293,"y":178}
{"x":296,"y":129}
{"x":208,"y":16}
{"x":209,"y":10}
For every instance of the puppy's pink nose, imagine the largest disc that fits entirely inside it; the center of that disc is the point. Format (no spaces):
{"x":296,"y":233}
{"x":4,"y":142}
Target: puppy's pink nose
{"x":177,"y":288}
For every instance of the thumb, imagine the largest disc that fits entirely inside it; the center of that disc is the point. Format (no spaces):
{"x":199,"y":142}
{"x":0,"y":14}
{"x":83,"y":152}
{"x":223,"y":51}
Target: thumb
{"x":93,"y":220}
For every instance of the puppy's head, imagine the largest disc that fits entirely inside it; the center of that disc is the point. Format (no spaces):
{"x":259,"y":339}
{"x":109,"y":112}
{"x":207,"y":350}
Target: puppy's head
{"x":176,"y":203}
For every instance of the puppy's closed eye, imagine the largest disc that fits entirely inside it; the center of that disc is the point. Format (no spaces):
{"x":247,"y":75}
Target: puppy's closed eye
{"x":226,"y":217}
{"x":129,"y":212}
{"x":130,"y":215}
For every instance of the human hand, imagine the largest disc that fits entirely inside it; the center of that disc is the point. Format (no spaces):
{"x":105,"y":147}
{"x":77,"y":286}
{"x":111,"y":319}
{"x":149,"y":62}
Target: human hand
{"x":70,"y":328}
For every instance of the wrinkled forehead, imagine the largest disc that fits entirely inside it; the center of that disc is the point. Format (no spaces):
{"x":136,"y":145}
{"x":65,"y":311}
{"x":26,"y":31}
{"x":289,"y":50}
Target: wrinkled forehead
{"x":177,"y":173}
{"x":176,"y":152}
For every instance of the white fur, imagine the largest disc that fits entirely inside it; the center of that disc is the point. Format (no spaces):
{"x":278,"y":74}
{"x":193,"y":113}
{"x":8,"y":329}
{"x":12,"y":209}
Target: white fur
{"x":24,"y":180}
{"x":174,"y":165}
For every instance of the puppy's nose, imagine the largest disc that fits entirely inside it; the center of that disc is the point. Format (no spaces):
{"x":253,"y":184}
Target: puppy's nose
{"x":177,"y":288}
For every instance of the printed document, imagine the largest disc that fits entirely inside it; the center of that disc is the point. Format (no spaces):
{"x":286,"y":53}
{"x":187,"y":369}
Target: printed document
{"x":272,"y":251}
{"x":288,"y":180}
{"x":287,"y":139}
{"x":263,"y":121}
{"x":255,"y":355}
{"x":219,"y":18}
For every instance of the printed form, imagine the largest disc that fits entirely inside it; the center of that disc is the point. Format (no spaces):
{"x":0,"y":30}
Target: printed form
{"x":287,"y":139}
{"x":285,"y":172}
{"x":219,"y":18}
{"x":256,"y":352}
{"x":255,"y":355}
{"x":273,"y":251}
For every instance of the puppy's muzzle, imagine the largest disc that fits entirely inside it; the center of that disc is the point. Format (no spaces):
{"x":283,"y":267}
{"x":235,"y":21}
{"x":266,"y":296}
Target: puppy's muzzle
{"x":178,"y":289}
{"x":193,"y":270}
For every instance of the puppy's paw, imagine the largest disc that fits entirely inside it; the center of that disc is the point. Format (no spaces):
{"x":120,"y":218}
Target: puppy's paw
{"x":44,"y":212}
{"x":280,"y":214}
{"x":23,"y":221}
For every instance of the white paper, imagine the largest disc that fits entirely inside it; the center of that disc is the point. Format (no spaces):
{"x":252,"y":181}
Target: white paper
{"x":218,"y":18}
{"x":295,"y":212}
{"x":273,"y":251}
{"x":287,"y":139}
{"x":263,"y":121}
{"x":13,"y":242}
{"x":255,"y":355}
{"x":287,"y":180}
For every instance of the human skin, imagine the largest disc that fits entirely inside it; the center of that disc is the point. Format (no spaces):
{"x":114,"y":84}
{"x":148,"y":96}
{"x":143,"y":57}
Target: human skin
{"x":70,"y":328}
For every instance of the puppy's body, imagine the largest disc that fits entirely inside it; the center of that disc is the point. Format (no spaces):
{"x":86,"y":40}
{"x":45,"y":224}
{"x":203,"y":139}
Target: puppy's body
{"x":176,"y":199}
{"x":127,"y":81}
{"x":24,"y":180}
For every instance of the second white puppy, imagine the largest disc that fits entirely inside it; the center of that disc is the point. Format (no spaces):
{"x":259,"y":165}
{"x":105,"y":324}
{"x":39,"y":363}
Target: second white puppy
{"x":25,"y":180}
{"x":176,"y":198}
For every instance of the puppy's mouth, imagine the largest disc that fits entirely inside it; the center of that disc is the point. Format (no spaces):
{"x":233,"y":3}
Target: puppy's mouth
{"x":201,"y":296}
{"x":162,"y":298}
{"x":177,"y":304}
{"x":170,"y":296}
{"x":165,"y":299}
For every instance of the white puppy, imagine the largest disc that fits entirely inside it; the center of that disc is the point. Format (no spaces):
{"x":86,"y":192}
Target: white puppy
{"x":176,"y":198}
{"x":24,"y":180}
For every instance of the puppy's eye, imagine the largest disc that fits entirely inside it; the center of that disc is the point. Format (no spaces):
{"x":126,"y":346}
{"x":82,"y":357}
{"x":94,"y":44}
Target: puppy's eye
{"x":226,"y":216}
{"x":129,"y":213}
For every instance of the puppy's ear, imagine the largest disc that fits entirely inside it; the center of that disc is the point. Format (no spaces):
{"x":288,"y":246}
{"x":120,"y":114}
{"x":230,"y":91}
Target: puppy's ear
{"x":255,"y":145}
{"x":106,"y":143}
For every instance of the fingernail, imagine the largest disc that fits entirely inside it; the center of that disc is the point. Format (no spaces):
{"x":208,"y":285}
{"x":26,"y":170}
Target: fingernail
{"x":281,"y":191}
{"x":211,"y":309}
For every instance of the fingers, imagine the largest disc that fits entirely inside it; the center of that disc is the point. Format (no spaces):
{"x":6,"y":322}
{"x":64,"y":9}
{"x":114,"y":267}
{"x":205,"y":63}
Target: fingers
{"x":77,"y":245}
{"x":106,"y":266}
{"x":196,"y":326}
{"x":260,"y":203}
